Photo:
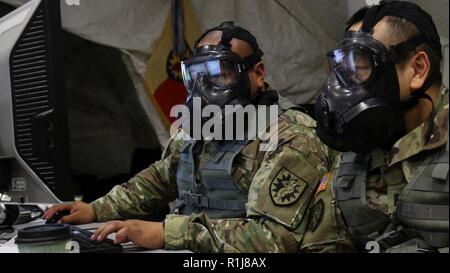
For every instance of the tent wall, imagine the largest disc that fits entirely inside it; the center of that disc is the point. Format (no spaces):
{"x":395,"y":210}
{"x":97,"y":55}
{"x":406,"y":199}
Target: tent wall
{"x":106,"y":121}
{"x":294,"y":35}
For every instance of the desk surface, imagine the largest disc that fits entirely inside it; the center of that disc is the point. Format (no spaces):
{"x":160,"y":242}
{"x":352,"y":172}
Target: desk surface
{"x":11,"y":247}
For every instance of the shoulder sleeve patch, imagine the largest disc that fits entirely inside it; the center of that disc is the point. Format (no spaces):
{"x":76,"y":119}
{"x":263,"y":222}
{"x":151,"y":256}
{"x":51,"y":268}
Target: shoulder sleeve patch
{"x":286,"y":188}
{"x":283,"y":187}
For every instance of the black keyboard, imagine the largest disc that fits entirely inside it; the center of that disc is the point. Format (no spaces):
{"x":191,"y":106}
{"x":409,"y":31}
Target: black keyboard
{"x":83,"y":237}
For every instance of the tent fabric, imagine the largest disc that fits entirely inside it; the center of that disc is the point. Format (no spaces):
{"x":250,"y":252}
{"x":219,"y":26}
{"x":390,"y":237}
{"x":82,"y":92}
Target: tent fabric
{"x":106,"y":122}
{"x":294,"y":35}
{"x":163,"y":78}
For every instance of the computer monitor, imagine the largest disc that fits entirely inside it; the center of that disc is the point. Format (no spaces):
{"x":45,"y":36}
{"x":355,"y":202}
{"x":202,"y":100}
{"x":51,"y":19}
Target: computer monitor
{"x":34,"y":142}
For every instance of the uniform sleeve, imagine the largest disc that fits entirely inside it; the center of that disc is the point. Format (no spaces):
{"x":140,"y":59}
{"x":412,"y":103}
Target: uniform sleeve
{"x":279,"y":196}
{"x":326,"y":232}
{"x":148,"y":192}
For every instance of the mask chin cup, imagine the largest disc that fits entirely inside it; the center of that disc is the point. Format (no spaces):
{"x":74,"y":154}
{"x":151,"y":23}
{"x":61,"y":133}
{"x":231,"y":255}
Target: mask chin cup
{"x":198,"y":126}
{"x":371,"y":128}
{"x":365,"y":127}
{"x":332,"y":141}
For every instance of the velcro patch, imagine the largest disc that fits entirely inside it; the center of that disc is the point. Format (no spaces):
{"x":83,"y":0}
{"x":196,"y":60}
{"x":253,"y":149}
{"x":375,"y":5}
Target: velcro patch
{"x":316,"y":215}
{"x":326,"y":179}
{"x":286,"y":188}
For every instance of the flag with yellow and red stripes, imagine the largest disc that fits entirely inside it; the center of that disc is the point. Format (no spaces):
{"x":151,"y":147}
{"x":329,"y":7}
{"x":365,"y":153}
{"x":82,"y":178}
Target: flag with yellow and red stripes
{"x":163,"y":79}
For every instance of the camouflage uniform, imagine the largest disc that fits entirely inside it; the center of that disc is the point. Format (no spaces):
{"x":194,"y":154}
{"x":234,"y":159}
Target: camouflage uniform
{"x":279,"y":184}
{"x":389,"y":173}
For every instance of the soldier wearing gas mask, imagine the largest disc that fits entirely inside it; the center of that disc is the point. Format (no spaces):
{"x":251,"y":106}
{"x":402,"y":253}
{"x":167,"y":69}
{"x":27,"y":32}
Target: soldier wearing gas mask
{"x":385,"y":108}
{"x":231,"y":195}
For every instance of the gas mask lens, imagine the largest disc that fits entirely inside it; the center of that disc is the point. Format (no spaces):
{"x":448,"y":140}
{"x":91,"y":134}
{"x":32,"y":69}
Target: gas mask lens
{"x":352,"y":65}
{"x":220,"y":72}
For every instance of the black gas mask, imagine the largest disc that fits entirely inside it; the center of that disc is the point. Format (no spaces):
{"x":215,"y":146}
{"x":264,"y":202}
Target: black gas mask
{"x":218,"y":76}
{"x":359,"y":108}
{"x":215,"y":75}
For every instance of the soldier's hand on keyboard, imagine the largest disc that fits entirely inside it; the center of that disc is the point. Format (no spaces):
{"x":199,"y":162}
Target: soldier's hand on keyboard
{"x":80,"y":213}
{"x":146,"y":234}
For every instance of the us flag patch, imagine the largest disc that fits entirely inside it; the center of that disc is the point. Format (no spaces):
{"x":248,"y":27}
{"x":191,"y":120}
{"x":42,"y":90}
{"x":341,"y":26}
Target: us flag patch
{"x":324,"y":183}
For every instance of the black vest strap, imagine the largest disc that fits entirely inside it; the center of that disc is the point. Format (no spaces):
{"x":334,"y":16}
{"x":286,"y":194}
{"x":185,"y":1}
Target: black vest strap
{"x":423,"y":204}
{"x":350,"y":189}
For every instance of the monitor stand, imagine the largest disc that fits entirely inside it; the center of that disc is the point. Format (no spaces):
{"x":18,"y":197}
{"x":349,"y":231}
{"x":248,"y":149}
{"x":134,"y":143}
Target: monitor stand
{"x":25,"y":188}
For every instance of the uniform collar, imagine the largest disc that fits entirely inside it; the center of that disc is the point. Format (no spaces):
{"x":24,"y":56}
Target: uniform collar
{"x":416,"y":141}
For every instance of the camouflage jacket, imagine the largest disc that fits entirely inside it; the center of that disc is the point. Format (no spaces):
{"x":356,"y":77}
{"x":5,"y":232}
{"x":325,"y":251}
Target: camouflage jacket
{"x":389,"y":173}
{"x":280,"y":186}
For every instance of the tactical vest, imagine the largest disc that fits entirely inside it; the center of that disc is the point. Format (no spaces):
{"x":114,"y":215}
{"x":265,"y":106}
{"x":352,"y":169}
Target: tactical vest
{"x":421,"y":211}
{"x":211,"y":189}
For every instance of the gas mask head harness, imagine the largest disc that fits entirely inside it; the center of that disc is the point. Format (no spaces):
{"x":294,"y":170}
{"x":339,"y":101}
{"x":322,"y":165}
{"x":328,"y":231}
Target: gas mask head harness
{"x":218,"y":75}
{"x":359,"y":108}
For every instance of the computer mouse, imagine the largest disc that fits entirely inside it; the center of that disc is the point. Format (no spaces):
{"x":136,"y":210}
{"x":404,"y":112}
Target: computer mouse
{"x":57,"y":216}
